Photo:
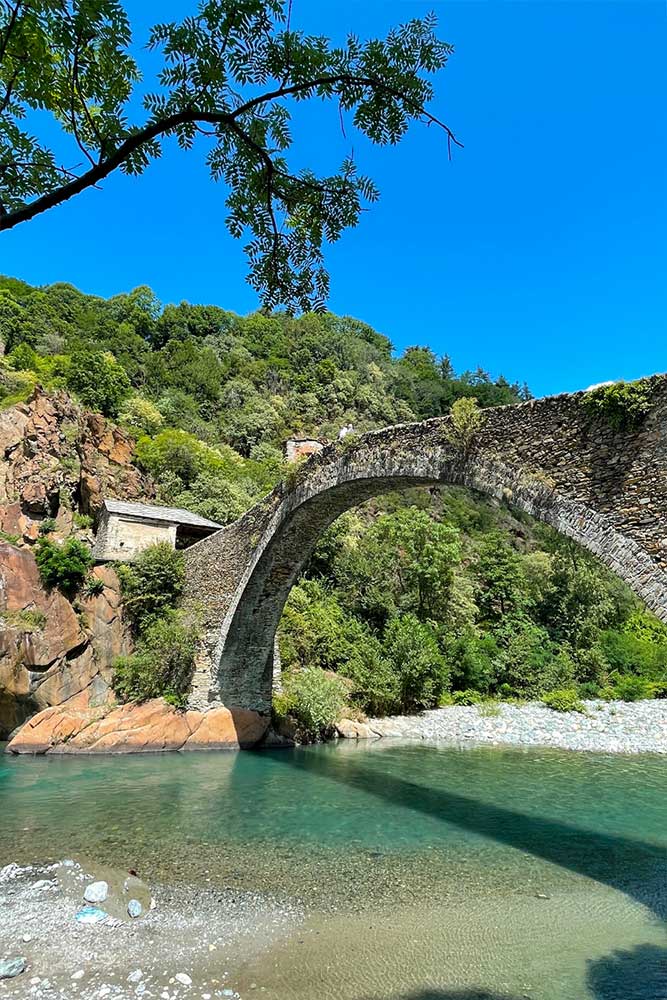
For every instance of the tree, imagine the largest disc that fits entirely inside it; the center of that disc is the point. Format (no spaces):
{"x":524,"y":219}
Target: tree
{"x":229,"y":74}
{"x":99,"y":381}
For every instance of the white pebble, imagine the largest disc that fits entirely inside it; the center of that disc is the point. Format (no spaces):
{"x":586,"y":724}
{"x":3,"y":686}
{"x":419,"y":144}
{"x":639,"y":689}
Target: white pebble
{"x":183,"y":979}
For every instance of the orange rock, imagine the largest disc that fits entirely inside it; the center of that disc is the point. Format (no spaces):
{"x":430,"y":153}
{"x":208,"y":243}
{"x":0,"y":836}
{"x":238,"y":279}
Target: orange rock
{"x":151,"y":726}
{"x":85,"y":724}
{"x":225,"y":728}
{"x":54,"y":726}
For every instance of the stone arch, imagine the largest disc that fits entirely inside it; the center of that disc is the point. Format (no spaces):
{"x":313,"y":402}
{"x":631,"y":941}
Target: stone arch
{"x":246,"y":571}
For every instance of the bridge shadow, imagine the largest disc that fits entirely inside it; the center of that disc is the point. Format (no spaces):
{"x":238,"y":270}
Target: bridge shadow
{"x":637,"y":974}
{"x":628,"y":864}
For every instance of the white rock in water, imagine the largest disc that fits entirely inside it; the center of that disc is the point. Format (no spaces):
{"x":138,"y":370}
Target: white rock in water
{"x":96,"y":892}
{"x":134,"y":908}
{"x":78,"y":974}
{"x":135,"y":976}
{"x":183,"y":979}
{"x":44,"y":883}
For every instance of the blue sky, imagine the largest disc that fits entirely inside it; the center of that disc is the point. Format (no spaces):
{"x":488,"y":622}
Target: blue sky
{"x":539,"y":252}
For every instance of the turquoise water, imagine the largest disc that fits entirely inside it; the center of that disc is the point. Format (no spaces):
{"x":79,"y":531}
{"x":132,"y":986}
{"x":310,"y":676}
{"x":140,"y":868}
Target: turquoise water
{"x":427,"y":873}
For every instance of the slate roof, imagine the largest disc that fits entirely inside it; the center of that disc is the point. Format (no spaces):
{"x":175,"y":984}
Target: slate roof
{"x":152,"y":512}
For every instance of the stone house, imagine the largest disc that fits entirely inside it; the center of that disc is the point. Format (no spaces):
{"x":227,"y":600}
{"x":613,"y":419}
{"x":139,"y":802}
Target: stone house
{"x":124,"y":529}
{"x":296,"y":448}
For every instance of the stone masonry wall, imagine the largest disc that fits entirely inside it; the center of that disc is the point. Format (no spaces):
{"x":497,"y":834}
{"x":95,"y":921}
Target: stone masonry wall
{"x":606,"y":489}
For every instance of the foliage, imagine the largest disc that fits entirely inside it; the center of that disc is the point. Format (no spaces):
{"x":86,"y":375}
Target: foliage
{"x":152,"y":584}
{"x":82,"y":521}
{"x":404,"y":562}
{"x":63,"y":565}
{"x":314,"y":700}
{"x":47,"y":525}
{"x":25,"y":621}
{"x":467,"y":697}
{"x":234,"y":73}
{"x":93,"y":586}
{"x":421,"y":669}
{"x":630,"y":688}
{"x":162,"y":663}
{"x":99,"y":381}
{"x":623,"y":405}
{"x":563,"y":700}
{"x":466,"y":422}
{"x":140,"y":416}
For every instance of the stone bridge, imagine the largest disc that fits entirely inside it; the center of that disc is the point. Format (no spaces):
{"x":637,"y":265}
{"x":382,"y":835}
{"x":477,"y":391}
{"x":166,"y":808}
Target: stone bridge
{"x":605,"y":488}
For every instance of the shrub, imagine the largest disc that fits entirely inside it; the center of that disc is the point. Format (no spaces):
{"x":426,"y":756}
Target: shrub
{"x":83,"y":521}
{"x":141,"y":416}
{"x":421,"y":670}
{"x":99,"y":381}
{"x":375,"y":684}
{"x":623,"y":405}
{"x":467,"y":697}
{"x":466,"y":420}
{"x":47,"y":526}
{"x":162,"y":664}
{"x":631,"y":688}
{"x":563,"y":700}
{"x":63,"y":566}
{"x":628,"y":654}
{"x":314,"y":700}
{"x":152,"y":584}
{"x":24,"y":621}
{"x":93,"y":586}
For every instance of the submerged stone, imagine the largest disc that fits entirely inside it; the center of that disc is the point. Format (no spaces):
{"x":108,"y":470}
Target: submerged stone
{"x":134,"y":908}
{"x":11,"y":967}
{"x":96,"y":892}
{"x":90,"y":915}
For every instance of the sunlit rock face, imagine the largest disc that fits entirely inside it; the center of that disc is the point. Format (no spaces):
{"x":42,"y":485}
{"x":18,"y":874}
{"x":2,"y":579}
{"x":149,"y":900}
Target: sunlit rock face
{"x":48,"y":652}
{"x":91,"y":722}
{"x":605,"y":488}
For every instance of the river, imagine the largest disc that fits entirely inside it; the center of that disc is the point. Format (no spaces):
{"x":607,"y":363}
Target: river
{"x":378,"y":871}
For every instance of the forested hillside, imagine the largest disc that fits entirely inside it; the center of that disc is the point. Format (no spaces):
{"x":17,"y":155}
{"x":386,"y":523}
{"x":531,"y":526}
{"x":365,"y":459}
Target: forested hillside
{"x":416,"y":598}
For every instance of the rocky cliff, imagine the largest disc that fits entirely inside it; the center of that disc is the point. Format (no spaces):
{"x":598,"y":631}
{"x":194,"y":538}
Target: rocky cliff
{"x":57,"y":462}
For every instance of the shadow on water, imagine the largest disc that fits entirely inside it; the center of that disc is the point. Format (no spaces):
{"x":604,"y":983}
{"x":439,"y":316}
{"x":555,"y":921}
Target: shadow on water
{"x":616,"y":861}
{"x":638,"y":974}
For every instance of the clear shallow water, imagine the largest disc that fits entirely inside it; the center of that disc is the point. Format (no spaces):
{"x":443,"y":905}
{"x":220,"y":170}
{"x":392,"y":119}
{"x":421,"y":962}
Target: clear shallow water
{"x":422,"y":869}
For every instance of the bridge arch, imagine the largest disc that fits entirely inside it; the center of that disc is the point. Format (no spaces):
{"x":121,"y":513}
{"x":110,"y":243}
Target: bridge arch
{"x":594,"y":485}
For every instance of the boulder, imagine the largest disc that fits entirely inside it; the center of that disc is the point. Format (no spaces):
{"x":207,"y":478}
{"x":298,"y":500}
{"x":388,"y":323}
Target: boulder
{"x":225,"y":728}
{"x":85,"y":724}
{"x":349,"y":729}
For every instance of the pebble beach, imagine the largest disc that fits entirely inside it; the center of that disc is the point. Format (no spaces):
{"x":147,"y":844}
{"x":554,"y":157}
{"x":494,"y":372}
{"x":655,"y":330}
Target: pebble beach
{"x":604,"y":727}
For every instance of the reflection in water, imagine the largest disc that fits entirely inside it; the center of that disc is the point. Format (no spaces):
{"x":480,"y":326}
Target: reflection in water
{"x":429,"y":873}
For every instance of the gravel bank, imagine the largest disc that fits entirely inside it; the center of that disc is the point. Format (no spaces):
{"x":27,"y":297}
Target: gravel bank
{"x":606,"y":727}
{"x":183,"y":949}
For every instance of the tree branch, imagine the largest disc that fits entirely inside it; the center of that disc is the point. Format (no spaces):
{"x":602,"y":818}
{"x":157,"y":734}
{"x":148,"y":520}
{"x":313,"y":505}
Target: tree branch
{"x":225,"y":119}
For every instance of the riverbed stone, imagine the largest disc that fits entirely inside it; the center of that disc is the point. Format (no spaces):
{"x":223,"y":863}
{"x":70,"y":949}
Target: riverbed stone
{"x":12,"y":967}
{"x":96,"y":892}
{"x":608,"y":727}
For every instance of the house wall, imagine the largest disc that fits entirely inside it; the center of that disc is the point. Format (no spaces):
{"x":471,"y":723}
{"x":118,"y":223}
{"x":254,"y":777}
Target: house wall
{"x":121,"y":538}
{"x":296,"y":449}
